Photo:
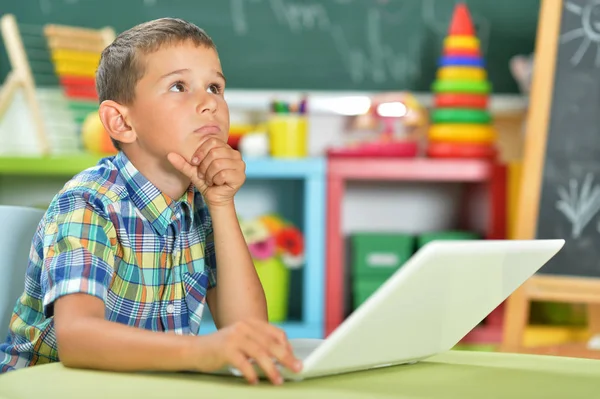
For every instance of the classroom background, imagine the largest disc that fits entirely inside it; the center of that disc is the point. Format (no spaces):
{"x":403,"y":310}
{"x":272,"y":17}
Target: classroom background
{"x":369,"y":129}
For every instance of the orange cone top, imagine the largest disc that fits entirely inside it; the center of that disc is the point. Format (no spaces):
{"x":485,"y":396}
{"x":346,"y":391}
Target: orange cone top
{"x":461,"y":22}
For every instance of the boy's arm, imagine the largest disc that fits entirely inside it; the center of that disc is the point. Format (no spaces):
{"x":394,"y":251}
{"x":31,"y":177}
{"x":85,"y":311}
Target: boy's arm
{"x":238,"y":294}
{"x":86,"y":340}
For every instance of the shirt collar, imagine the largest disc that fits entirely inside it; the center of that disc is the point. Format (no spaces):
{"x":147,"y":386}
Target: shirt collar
{"x":159,"y":209}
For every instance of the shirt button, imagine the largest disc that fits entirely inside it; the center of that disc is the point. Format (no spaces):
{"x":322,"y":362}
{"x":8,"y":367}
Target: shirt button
{"x":170,"y":308}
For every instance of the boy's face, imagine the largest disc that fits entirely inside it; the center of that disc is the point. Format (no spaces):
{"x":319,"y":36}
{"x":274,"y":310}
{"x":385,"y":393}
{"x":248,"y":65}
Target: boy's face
{"x":179,"y":101}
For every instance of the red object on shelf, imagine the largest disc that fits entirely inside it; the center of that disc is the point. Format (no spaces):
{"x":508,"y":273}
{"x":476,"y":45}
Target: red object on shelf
{"x":480,"y":173}
{"x":77,"y":81}
{"x":461,"y":24}
{"x":401,"y":149}
{"x":459,"y":100}
{"x":461,"y":52}
{"x":461,"y":150}
{"x":80,"y":93}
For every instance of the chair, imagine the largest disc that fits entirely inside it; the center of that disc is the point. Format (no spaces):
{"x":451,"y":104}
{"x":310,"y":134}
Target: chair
{"x":17,"y":227}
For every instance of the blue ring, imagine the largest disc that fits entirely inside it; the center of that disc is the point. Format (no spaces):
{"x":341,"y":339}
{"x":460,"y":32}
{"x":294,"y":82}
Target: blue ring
{"x":461,"y":61}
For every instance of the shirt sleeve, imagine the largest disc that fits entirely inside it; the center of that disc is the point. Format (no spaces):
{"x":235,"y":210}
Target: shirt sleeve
{"x":210,"y":259}
{"x":78,"y":253}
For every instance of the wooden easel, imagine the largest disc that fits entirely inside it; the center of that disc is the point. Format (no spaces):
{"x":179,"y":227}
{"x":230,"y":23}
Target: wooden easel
{"x":540,"y":287}
{"x":20,"y":76}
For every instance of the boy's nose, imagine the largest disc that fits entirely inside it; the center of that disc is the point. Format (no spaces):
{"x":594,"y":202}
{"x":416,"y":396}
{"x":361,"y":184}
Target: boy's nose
{"x":206,"y":103}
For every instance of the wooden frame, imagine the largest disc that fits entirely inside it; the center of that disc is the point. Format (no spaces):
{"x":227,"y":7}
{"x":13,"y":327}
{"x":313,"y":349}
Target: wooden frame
{"x":20,"y":76}
{"x":540,"y":287}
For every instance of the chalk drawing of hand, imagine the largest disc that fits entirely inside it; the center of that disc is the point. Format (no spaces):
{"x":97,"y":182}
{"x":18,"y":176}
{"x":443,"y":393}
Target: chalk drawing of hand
{"x":579,"y":207}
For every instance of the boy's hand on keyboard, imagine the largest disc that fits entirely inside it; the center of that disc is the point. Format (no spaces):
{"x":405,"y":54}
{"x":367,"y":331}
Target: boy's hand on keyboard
{"x":237,"y":344}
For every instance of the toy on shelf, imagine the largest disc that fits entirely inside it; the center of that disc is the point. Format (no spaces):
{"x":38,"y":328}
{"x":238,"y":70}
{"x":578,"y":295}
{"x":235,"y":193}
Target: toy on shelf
{"x":276,"y":248}
{"x":461,"y":125}
{"x":21,"y":77}
{"x":75,"y":53}
{"x":288,"y":129}
{"x":393,"y":127}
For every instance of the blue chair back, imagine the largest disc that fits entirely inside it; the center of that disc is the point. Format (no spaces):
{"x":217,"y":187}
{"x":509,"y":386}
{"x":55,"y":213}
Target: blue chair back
{"x":17,"y":227}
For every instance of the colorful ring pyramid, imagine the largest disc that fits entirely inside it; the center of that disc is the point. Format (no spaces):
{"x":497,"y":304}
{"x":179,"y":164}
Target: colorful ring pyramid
{"x":75,"y":53}
{"x":461,"y":126}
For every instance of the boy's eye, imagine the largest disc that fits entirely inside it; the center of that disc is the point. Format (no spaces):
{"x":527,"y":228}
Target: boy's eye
{"x":215,"y":88}
{"x":177,"y":87}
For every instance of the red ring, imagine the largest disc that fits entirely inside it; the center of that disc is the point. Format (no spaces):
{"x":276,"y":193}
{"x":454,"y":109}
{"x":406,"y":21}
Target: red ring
{"x":446,"y":100}
{"x":461,"y":52}
{"x":460,"y":150}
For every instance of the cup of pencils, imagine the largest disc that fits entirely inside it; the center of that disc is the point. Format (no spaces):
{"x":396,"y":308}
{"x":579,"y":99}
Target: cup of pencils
{"x":288,"y":130}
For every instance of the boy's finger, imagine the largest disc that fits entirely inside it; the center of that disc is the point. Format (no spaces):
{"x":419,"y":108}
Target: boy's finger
{"x":241,"y":363}
{"x":262,"y":357}
{"x":185,"y":168}
{"x":219,"y":165}
{"x":181,"y":164}
{"x":276,"y":341}
{"x":203,"y":160}
{"x":205,"y":146}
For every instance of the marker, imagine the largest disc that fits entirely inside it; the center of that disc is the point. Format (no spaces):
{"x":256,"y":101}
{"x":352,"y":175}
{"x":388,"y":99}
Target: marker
{"x":303,"y":106}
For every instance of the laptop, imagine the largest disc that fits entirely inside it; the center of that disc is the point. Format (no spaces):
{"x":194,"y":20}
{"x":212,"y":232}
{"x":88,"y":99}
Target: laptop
{"x":425,"y":308}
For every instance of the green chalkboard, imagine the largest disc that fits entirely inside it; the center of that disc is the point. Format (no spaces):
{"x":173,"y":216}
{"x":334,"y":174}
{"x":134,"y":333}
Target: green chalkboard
{"x":314,"y":45}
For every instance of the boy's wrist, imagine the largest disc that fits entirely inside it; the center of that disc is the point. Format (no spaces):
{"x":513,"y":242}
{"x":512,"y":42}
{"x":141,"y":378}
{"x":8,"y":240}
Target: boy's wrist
{"x":221,"y":208}
{"x":192,"y":352}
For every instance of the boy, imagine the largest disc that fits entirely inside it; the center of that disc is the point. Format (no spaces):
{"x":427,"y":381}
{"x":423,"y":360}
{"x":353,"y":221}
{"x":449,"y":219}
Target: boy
{"x":130,"y":250}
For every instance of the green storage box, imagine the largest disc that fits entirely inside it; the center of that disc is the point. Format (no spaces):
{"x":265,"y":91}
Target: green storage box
{"x":445,"y":235}
{"x":364,"y":287}
{"x":379,"y":254}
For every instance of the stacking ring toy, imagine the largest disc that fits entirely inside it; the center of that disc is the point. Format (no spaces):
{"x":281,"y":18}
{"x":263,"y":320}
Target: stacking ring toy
{"x":461,"y":61}
{"x":459,"y":132}
{"x":448,"y":100}
{"x":461,"y":73}
{"x":461,"y":41}
{"x":461,"y":150}
{"x":461,"y":86}
{"x":458,"y":115}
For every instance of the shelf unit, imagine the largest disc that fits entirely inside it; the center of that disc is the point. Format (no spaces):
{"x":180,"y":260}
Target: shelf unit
{"x":341,"y":170}
{"x":310,"y":170}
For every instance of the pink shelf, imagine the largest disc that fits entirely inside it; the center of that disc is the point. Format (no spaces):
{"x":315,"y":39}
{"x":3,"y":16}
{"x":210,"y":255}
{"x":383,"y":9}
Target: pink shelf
{"x":421,"y":169}
{"x":491,"y":176}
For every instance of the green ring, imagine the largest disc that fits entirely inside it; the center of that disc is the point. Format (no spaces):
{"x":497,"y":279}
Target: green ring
{"x":461,"y":86}
{"x":458,"y":115}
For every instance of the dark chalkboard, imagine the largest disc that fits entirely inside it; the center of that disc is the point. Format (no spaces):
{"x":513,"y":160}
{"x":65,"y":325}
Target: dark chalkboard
{"x":309,"y":44}
{"x":569,"y":204}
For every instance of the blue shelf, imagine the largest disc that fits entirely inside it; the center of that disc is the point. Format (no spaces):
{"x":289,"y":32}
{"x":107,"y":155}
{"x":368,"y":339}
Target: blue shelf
{"x":279,"y":168}
{"x":292,"y":329}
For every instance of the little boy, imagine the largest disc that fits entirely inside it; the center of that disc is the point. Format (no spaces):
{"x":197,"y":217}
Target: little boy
{"x":129,"y":251}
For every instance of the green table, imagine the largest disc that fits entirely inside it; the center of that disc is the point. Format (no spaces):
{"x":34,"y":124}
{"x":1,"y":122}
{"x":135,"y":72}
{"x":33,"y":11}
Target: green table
{"x":455,"y":374}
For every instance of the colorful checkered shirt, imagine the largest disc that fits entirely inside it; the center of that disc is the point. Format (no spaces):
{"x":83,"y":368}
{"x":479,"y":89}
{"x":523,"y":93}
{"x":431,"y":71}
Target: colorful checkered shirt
{"x":112,"y":234}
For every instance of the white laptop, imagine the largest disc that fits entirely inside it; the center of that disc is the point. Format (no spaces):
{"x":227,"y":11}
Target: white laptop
{"x":445,"y":290}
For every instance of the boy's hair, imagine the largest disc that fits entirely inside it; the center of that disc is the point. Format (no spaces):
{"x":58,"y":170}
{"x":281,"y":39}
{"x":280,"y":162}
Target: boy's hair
{"x":121,"y":66}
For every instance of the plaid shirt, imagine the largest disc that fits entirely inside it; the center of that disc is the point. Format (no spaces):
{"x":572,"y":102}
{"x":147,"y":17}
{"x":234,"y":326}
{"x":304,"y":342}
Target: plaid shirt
{"x":112,"y":234}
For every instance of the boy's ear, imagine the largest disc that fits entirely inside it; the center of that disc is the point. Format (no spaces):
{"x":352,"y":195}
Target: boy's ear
{"x":114,"y":118}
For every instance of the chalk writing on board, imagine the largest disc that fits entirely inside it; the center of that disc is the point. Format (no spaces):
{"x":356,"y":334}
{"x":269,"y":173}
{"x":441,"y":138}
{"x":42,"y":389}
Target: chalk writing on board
{"x":45,"y":7}
{"x":377,"y":62}
{"x":579,"y":207}
{"x":588,"y":31}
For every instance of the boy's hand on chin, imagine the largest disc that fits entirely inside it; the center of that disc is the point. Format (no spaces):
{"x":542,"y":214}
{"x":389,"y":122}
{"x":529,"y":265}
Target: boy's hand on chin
{"x":216,"y":169}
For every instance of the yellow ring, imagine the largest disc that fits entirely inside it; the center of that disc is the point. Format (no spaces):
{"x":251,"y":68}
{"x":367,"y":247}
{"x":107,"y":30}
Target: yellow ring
{"x":461,"y":73}
{"x":462,"y":42}
{"x":75,"y":56}
{"x":75,"y":70}
{"x":462,"y":132}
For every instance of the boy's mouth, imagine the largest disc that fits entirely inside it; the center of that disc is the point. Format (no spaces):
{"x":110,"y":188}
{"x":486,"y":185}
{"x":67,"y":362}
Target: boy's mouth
{"x":208,"y":129}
